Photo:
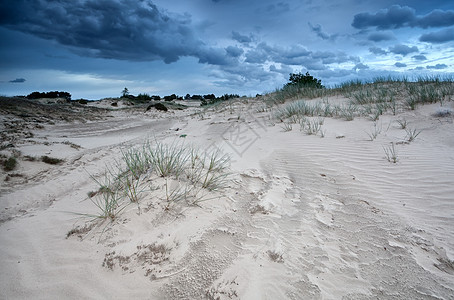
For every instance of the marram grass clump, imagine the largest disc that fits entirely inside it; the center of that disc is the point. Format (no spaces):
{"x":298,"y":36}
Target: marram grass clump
{"x":178,"y":173}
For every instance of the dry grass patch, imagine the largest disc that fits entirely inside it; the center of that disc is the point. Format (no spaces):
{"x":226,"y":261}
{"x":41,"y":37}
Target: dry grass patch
{"x":275,"y":256}
{"x":51,"y":160}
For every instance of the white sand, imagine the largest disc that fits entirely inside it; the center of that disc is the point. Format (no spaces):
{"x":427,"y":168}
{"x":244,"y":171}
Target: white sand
{"x":304,"y":217}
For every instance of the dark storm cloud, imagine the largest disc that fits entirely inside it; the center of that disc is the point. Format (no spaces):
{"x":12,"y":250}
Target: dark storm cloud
{"x":257,"y":56}
{"x":438,"y":37}
{"x":436,"y":18}
{"x":394,"y":17}
{"x":400,"y":65}
{"x":437,"y":67}
{"x":317,"y":29}
{"x":293,"y":55}
{"x":234,"y":51}
{"x":403,"y":49}
{"x":214,"y":56}
{"x":241,"y":75}
{"x":17,"y":80}
{"x":123,"y":29}
{"x":377,"y":51}
{"x":397,"y":16}
{"x":263,"y":52}
{"x":419,"y":57}
{"x":380,"y":36}
{"x":241,"y":38}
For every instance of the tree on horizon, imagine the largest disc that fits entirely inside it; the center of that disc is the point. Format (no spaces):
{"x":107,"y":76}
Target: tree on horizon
{"x":125,"y":92}
{"x":304,"y":80}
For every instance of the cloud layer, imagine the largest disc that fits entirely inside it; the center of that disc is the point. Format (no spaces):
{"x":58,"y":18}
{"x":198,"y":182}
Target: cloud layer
{"x":438,"y":37}
{"x":403,"y":16}
{"x":235,"y":45}
{"x":124,"y":29}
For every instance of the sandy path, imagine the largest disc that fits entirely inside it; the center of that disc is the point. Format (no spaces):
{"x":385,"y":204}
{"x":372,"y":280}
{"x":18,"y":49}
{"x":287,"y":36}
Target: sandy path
{"x":101,"y":144}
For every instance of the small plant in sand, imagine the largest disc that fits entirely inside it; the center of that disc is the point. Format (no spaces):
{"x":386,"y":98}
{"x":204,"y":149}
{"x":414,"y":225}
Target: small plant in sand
{"x":347,"y":112}
{"x":215,"y":165}
{"x":312,"y":127}
{"x":294,"y":119}
{"x":299,"y":109}
{"x":411,"y":102}
{"x":131,"y":187}
{"x":287,"y":127}
{"x":391,"y":153}
{"x":174,"y":192}
{"x":206,"y":173}
{"x":380,"y":109}
{"x":393,"y":105}
{"x":402,"y":123}
{"x":375,"y":132}
{"x":136,"y":162}
{"x":107,"y":199}
{"x":412,"y":134}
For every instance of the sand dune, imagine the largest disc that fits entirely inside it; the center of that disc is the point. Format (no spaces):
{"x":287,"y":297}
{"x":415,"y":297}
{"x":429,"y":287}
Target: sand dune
{"x":303,"y":217}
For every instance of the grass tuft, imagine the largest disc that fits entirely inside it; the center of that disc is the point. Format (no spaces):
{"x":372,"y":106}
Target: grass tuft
{"x":402,"y":123}
{"x":375,"y":132}
{"x":189,"y":175}
{"x":51,"y":160}
{"x":412,"y":134}
{"x":10,"y":164}
{"x":287,"y":127}
{"x":167,"y":159}
{"x":391,"y":153}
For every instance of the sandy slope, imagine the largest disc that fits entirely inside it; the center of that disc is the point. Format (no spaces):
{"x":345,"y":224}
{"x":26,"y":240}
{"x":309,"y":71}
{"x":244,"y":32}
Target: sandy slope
{"x":304,"y":217}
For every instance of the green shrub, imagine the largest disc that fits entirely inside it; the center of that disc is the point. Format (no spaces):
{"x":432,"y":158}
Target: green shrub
{"x":305,"y":80}
{"x":10,"y":164}
{"x":51,"y":160}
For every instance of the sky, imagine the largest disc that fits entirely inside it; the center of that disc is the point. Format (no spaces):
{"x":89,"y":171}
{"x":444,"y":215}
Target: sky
{"x":95,"y":48}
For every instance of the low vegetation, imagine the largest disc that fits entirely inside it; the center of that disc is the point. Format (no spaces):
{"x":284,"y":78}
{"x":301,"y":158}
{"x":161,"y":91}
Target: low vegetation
{"x":178,"y":174}
{"x":376,"y":130}
{"x":51,"y":160}
{"x":293,"y":104}
{"x":412,"y":134}
{"x":53,"y":94}
{"x":205,"y":100}
{"x":365,"y":99}
{"x":391,"y":153}
{"x":10,"y":164}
